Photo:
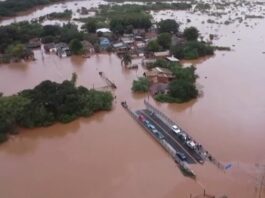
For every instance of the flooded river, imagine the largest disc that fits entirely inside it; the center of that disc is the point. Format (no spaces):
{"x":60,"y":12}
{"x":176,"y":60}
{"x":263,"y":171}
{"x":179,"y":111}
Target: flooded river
{"x":109,"y":155}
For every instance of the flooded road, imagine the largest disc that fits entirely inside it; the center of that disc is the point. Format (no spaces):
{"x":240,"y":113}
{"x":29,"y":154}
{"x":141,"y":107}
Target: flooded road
{"x":109,"y":155}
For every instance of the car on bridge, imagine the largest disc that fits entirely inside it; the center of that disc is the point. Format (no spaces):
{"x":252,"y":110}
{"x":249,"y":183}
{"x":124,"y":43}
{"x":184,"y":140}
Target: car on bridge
{"x":159,"y":135}
{"x":191,"y":144}
{"x":150,"y":126}
{"x":146,"y":122}
{"x":181,"y":156}
{"x":182,"y":136}
{"x":154,"y":130}
{"x":141,"y":117}
{"x":175,"y":129}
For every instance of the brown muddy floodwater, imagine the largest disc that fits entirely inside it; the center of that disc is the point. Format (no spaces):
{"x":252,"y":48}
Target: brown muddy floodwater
{"x":109,"y":155}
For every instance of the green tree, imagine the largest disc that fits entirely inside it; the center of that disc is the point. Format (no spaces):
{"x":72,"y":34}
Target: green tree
{"x":51,"y":30}
{"x":126,"y":59}
{"x":16,"y":50}
{"x":91,"y":26}
{"x":168,"y":25}
{"x":92,"y":38}
{"x":140,"y":85}
{"x":153,"y":46}
{"x":10,"y":108}
{"x":74,"y":78}
{"x":191,"y":33}
{"x":178,"y":51}
{"x":69,"y":32}
{"x":164,"y":40}
{"x":182,"y":90}
{"x":76,"y":46}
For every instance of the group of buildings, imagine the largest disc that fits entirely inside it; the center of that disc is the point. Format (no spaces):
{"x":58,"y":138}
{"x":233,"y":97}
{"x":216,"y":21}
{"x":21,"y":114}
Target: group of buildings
{"x":134,"y":44}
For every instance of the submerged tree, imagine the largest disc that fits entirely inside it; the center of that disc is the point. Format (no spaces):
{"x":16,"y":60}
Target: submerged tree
{"x":126,"y":59}
{"x":164,"y":40}
{"x":191,"y":33}
{"x":76,"y":46}
{"x":140,"y":85}
{"x":168,"y":25}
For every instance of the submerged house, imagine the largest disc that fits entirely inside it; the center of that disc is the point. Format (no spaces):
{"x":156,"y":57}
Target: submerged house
{"x":147,"y":62}
{"x":127,"y":40}
{"x":34,"y":43}
{"x":49,"y":47}
{"x":104,"y":42}
{"x":159,"y":75}
{"x":172,"y":59}
{"x":120,"y":48}
{"x":161,"y":54}
{"x":62,"y":50}
{"x":104,"y":32}
{"x":88,"y":47}
{"x":158,"y":88}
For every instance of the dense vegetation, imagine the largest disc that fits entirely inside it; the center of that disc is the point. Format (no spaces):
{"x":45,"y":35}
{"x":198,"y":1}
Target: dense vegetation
{"x":18,"y":33}
{"x":140,"y":85}
{"x":161,"y":5}
{"x":47,"y":103}
{"x":163,"y":42}
{"x":11,"y":7}
{"x":126,"y":22}
{"x":168,"y":25}
{"x":123,"y":18}
{"x":76,"y":46}
{"x":15,"y":37}
{"x":66,"y":15}
{"x":191,"y":33}
{"x":191,"y":48}
{"x":24,"y":31}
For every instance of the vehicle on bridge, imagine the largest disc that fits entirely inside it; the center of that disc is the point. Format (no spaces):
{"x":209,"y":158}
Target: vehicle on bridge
{"x":182,"y":136}
{"x":181,"y":156}
{"x":150,"y":126}
{"x":175,"y":129}
{"x":158,"y":134}
{"x":141,"y":117}
{"x":191,"y":144}
{"x":146,"y":122}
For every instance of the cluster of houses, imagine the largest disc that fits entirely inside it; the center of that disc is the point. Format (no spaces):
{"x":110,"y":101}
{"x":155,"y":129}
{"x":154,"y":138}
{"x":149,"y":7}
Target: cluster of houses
{"x":134,"y":44}
{"x":62,"y":49}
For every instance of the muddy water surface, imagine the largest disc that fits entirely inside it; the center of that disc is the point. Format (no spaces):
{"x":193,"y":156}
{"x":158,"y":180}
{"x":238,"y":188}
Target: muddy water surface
{"x":109,"y":155}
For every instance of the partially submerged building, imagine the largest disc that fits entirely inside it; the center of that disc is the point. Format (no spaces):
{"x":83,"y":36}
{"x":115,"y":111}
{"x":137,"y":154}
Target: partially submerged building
{"x":120,"y":48}
{"x":159,"y":75}
{"x":158,"y":88}
{"x":104,"y":42}
{"x":62,"y":50}
{"x":162,"y":54}
{"x":49,"y":47}
{"x":172,"y":59}
{"x":88,"y":47}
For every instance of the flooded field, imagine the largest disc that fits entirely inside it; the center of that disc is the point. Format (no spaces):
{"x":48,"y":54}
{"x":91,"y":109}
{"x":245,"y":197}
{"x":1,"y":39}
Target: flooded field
{"x":109,"y":155}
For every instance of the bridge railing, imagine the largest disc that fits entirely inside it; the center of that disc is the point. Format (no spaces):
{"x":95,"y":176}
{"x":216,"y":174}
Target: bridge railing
{"x":202,"y":152}
{"x":159,"y":114}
